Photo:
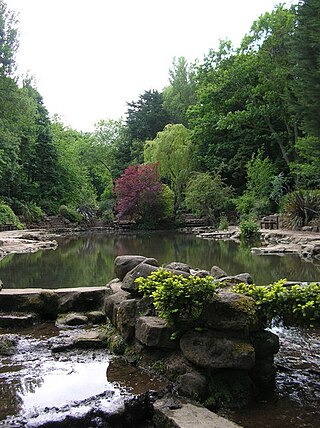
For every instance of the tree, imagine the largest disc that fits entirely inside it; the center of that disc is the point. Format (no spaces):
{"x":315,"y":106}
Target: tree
{"x":147,"y":116}
{"x":171,"y":150}
{"x":306,"y":64}
{"x":181,"y":93}
{"x":76,"y":186}
{"x":244,"y":101}
{"x":256,"y":200}
{"x":207,"y":195}
{"x":139,"y":193}
{"x":8,"y":40}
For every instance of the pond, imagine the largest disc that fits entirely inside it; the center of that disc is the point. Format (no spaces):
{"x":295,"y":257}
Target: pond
{"x":88,"y":260}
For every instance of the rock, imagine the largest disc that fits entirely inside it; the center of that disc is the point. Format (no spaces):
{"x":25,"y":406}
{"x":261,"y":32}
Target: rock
{"x":200,"y":272}
{"x":126,"y":318}
{"x":230,"y":280}
{"x":72,"y":319}
{"x":96,"y":317}
{"x":245,"y":277}
{"x":124,"y":264}
{"x":187,"y":415}
{"x":142,"y":270}
{"x":178,"y":266}
{"x":217,"y":272}
{"x":112,"y":304}
{"x":264,"y":374}
{"x":209,"y":351}
{"x":8,"y":343}
{"x":91,"y":339}
{"x":229,"y":311}
{"x":81,"y":299}
{"x":154,"y":332}
{"x":39,"y":301}
{"x":192,"y":385}
{"x":176,"y":365}
{"x":265,"y":343}
{"x":17,"y":319}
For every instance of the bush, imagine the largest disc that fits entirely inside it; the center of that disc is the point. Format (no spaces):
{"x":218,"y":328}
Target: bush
{"x":7,"y":216}
{"x":223,"y":224}
{"x":294,"y":304}
{"x":31,"y":212}
{"x":70,"y":214}
{"x":301,"y":207}
{"x":249,"y":230}
{"x":176,"y":298}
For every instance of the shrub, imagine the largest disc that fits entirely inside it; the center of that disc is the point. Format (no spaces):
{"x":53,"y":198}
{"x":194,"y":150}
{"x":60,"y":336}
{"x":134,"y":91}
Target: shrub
{"x":301,"y":207}
{"x":176,"y":298}
{"x":31,"y":212}
{"x":223,"y":224}
{"x":294,"y":304}
{"x":70,"y":214}
{"x":8,"y":216}
{"x":249,"y":229}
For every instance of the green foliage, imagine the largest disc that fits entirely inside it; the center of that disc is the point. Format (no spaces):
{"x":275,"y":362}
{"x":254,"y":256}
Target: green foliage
{"x":301,"y":207}
{"x":305,"y":62}
{"x":223,"y":224}
{"x":115,"y":342}
{"x":255,"y":201}
{"x":180,"y":95}
{"x":249,"y":229}
{"x":7,"y":216}
{"x":70,"y":214}
{"x":176,"y":298}
{"x":168,"y":203}
{"x":294,"y":304}
{"x":306,"y":166}
{"x":171,"y":150}
{"x":207,"y":195}
{"x":31,"y":212}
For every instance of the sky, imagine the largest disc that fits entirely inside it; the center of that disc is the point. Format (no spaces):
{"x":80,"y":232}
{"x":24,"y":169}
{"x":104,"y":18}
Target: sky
{"x":91,"y":57}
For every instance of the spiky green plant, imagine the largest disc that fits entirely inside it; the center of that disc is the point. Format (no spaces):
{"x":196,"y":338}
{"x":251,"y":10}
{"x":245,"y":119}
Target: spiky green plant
{"x":301,"y":207}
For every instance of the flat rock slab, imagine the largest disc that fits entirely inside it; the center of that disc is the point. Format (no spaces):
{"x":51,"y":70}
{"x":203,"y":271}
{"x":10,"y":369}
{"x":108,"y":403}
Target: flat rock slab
{"x":17,"y":320}
{"x":188,"y":416}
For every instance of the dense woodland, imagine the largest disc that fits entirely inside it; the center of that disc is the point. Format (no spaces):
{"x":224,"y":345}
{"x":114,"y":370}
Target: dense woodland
{"x":234,"y":134}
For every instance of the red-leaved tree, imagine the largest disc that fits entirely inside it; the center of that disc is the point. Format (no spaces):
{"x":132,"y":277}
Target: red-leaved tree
{"x":139,"y":193}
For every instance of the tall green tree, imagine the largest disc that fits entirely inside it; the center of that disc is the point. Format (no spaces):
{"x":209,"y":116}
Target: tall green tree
{"x":8,"y":40}
{"x":306,"y":63}
{"x":146,"y":117}
{"x":171,"y":150}
{"x":180,"y":94}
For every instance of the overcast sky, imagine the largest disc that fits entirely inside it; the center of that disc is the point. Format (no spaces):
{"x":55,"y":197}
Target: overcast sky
{"x":90,"y":57}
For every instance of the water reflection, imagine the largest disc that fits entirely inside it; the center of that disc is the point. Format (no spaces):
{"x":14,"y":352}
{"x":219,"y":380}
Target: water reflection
{"x":88,"y":260}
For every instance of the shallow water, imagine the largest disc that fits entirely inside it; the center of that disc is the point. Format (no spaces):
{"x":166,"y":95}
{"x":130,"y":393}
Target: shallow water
{"x":37,"y":386}
{"x":88,"y":260}
{"x":295,"y":403}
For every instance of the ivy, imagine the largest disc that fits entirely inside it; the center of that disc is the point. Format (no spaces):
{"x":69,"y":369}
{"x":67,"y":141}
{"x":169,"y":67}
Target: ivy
{"x":299,"y":304}
{"x":175,"y":297}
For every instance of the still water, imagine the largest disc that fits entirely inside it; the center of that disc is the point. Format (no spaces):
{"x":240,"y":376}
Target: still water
{"x":87,"y":260}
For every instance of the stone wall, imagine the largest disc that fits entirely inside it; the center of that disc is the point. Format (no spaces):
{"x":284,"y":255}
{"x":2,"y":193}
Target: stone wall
{"x":224,"y":359}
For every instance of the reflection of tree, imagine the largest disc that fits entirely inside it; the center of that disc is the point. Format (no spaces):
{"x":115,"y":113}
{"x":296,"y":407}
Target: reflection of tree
{"x":89,"y":260}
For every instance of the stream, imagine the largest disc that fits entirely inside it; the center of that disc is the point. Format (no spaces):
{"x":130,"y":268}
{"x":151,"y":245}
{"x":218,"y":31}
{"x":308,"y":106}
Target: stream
{"x":38,"y":386}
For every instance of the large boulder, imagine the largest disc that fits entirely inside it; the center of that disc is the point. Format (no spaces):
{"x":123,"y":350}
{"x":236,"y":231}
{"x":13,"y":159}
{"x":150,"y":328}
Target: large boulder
{"x":217,"y":272}
{"x":193,"y":385}
{"x":124,"y":264}
{"x":142,"y":270}
{"x":229,"y":311}
{"x":126,"y":318}
{"x":265,"y":343}
{"x":154,"y":332}
{"x":183,"y":267}
{"x":112,"y":304}
{"x":210,"y":350}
